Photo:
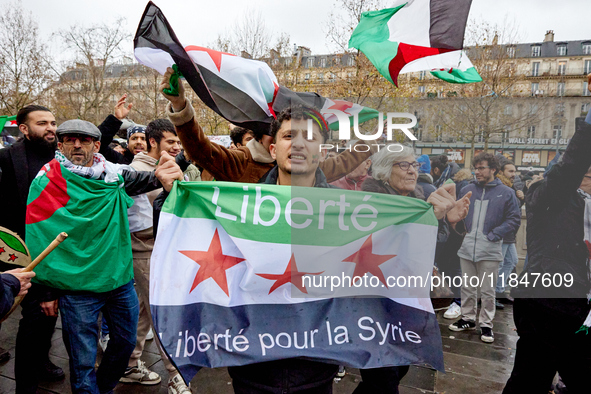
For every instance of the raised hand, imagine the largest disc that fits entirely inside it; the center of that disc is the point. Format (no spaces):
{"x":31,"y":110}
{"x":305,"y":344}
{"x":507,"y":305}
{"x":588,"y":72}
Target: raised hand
{"x":121,"y":109}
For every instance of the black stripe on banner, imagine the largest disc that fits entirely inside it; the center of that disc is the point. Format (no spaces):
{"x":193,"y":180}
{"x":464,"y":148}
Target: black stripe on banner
{"x":448,"y":23}
{"x":358,"y":332}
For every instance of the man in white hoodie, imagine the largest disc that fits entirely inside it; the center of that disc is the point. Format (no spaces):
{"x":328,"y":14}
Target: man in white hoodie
{"x":161,"y":137}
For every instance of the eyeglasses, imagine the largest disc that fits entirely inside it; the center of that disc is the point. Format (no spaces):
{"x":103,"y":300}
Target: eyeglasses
{"x":405,"y":165}
{"x":72,"y":140}
{"x":482,"y":168}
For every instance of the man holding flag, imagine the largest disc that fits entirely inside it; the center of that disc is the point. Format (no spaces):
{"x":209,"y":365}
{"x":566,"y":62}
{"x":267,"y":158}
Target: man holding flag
{"x":82,"y":194}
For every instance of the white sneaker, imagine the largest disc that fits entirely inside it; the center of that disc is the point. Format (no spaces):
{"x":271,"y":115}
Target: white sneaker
{"x":103,"y":341}
{"x":150,"y":335}
{"x":176,"y":385}
{"x":453,"y":312}
{"x":141,"y":375}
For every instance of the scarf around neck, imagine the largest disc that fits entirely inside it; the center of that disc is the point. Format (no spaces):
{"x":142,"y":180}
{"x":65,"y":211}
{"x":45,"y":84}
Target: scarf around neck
{"x":93,"y":172}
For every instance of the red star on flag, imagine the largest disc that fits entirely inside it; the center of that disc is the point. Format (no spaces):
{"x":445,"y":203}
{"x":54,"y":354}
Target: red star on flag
{"x":367,"y":262}
{"x":291,"y":274}
{"x":341,"y":105}
{"x":12,"y":257}
{"x":212,"y":264}
{"x":2,"y":250}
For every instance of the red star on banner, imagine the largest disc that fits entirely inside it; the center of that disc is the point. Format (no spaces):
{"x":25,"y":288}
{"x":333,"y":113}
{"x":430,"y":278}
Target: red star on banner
{"x":12,"y":257}
{"x":216,"y":56}
{"x":212,"y":264}
{"x":367,"y":262}
{"x":290,"y":275}
{"x":2,"y":250}
{"x":342,"y":106}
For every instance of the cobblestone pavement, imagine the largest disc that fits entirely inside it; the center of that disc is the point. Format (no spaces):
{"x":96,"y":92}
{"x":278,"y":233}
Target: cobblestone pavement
{"x":472,"y":367}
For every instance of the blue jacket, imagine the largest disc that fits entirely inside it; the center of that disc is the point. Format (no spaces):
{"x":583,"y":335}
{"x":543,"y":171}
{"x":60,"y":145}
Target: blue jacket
{"x":494,"y":213}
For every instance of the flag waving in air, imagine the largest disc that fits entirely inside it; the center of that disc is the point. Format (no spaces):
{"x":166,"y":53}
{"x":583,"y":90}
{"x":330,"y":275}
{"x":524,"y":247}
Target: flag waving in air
{"x":247,"y":273}
{"x":243,"y":91}
{"x":414,"y":36}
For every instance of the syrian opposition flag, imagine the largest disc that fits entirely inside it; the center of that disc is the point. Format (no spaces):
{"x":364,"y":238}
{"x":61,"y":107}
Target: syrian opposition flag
{"x":12,"y":248}
{"x":243,"y":91}
{"x":245,"y":273}
{"x":394,"y":38}
{"x":97,"y":255}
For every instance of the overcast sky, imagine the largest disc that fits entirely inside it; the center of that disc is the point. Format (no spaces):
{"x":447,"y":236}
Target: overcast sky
{"x":198,"y":22}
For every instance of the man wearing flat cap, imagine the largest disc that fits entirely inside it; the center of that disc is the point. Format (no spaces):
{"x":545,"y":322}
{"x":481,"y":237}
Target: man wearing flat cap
{"x":82,"y":194}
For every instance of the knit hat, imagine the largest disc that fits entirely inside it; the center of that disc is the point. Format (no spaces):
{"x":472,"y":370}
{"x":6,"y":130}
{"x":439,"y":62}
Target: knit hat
{"x":135,"y":129}
{"x":425,"y":164}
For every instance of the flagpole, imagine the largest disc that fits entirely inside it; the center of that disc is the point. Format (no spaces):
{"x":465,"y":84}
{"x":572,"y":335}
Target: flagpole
{"x":58,"y":240}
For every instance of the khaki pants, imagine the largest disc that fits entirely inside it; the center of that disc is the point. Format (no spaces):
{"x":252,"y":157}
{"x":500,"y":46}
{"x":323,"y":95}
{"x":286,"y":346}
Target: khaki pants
{"x":141,"y":272}
{"x":479,"y":270}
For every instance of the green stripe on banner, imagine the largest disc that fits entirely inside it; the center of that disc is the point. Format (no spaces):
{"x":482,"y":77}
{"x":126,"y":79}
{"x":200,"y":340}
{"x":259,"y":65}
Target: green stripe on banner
{"x":317,"y":216}
{"x":458,"y":76}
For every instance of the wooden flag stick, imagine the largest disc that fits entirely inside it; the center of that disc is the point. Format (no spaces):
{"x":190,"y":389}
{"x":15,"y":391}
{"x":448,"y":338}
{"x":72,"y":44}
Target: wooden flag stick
{"x":58,"y":240}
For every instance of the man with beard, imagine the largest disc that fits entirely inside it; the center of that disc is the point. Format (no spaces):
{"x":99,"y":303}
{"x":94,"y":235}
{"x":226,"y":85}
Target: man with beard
{"x":19,"y":165}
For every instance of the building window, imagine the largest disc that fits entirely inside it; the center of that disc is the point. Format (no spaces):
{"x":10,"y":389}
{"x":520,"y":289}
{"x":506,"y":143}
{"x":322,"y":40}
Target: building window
{"x":536,"y":51}
{"x":287,"y":61}
{"x":333,"y":77}
{"x":533,"y":109}
{"x":560,"y":89}
{"x":535,"y":88}
{"x":310,"y":62}
{"x":505,"y":134}
{"x":508,"y":109}
{"x":586,"y":48}
{"x":323,"y":62}
{"x":421,"y":89}
{"x":422,"y":74}
{"x":307,"y":77}
{"x":587,"y":67}
{"x":419,"y":134}
{"x":535,"y":69}
{"x":511,"y":51}
{"x":561,"y":50}
{"x":351,"y":61}
{"x":585,"y":107}
{"x":320,"y":77}
{"x":561,"y":68}
{"x":531,"y":132}
{"x":586,"y":91}
{"x":556,"y":131}
{"x":438,"y":133}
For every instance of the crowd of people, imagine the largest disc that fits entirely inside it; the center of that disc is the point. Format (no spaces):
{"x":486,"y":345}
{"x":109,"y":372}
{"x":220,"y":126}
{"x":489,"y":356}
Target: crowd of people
{"x":479,"y":214}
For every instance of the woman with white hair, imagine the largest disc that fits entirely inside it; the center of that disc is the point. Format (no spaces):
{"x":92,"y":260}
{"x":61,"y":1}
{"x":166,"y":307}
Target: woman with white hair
{"x":395,"y":171}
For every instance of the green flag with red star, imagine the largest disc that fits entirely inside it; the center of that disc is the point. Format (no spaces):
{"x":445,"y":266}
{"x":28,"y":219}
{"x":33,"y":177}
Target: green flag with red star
{"x":97,"y":256}
{"x":12,"y":248}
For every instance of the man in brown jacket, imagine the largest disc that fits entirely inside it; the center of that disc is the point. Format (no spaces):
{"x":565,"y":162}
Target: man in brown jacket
{"x":246,"y":164}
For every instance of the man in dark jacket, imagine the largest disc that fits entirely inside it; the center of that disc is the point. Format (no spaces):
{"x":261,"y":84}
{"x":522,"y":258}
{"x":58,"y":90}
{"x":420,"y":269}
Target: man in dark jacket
{"x":296,"y":165}
{"x":558,"y":209}
{"x":13,"y":283}
{"x":112,"y":292}
{"x":507,"y":175}
{"x":19,"y":165}
{"x":494,"y":213}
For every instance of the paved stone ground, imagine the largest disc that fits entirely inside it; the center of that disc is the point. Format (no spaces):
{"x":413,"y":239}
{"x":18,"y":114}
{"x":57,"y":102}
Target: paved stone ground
{"x":472,"y":367}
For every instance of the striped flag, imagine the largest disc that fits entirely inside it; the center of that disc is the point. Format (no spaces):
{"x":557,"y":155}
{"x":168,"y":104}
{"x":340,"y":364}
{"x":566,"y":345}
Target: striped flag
{"x":245,"y":273}
{"x":243,"y":91}
{"x":414,"y":36}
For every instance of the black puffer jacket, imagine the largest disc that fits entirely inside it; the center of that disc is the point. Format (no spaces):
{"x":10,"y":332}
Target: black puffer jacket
{"x":555,"y":244}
